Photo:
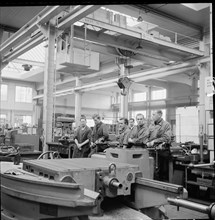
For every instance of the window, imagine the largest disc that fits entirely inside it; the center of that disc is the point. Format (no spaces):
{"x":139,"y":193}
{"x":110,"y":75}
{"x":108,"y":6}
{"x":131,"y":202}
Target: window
{"x":159,"y":94}
{"x":3,"y":92}
{"x":3,"y":118}
{"x":138,"y":97}
{"x":23,"y":94}
{"x":23,"y":119}
{"x":187,"y":124}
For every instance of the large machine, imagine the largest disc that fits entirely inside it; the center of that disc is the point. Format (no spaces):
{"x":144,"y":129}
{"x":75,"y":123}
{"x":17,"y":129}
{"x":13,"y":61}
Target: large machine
{"x":116,"y":183}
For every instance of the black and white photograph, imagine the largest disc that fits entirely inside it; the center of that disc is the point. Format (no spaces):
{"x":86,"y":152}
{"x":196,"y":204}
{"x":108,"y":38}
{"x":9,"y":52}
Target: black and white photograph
{"x":106,"y":111}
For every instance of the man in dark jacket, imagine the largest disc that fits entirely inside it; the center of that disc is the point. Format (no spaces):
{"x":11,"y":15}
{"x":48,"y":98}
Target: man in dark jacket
{"x":82,"y":139}
{"x":124,"y":132}
{"x":160,"y":133}
{"x":139,"y":134}
{"x":99,"y":135}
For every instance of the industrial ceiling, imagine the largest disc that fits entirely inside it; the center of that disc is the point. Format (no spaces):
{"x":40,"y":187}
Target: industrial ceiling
{"x":151,"y":61}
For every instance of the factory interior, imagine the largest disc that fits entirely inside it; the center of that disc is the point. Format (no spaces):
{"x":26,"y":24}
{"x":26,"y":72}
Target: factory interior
{"x":106,"y":112}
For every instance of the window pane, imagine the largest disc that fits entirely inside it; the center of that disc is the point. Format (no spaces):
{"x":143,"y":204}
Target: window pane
{"x":187,"y":124}
{"x":23,"y":94}
{"x":159,"y":94}
{"x":23,"y":119}
{"x":3,"y":92}
{"x":138,"y":97}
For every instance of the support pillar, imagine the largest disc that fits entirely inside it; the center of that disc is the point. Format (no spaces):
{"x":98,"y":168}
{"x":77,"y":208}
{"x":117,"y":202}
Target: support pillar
{"x":71,"y":42}
{"x":36,"y":113}
{"x":148,"y":98}
{"x":78,"y":102}
{"x":124,"y":98}
{"x":131,"y":93}
{"x":203,"y":72}
{"x":49,"y":72}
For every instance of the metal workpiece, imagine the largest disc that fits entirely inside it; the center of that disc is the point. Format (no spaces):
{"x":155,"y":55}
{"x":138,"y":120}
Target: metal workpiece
{"x":112,"y":182}
{"x":155,"y":184}
{"x":81,"y":187}
{"x":200,"y":165}
{"x":150,"y":193}
{"x":210,"y":210}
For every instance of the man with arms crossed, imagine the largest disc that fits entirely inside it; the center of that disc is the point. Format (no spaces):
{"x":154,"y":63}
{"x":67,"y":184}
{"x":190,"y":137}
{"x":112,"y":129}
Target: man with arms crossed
{"x":82,"y":139}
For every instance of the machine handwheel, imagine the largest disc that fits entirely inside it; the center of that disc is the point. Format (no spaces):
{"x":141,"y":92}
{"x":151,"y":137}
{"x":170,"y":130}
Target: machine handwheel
{"x":49,"y":155}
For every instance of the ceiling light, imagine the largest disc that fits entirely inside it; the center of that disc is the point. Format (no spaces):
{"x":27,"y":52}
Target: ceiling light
{"x":27,"y":67}
{"x":139,"y":47}
{"x":140,"y":19}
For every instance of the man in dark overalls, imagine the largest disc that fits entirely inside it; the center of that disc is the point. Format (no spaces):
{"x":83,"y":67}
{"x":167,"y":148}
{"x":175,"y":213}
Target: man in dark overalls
{"x":160,"y":134}
{"x":82,"y":139}
{"x":99,"y":135}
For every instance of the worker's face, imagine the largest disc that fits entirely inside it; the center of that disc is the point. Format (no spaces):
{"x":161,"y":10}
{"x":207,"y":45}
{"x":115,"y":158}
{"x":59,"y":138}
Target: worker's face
{"x":121,"y":124}
{"x":83,"y":122}
{"x":155,"y":116}
{"x":140,"y":120}
{"x":96,"y":121}
{"x":131,"y":123}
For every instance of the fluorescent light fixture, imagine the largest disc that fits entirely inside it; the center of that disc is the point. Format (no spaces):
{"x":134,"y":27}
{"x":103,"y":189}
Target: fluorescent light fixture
{"x":197,"y":6}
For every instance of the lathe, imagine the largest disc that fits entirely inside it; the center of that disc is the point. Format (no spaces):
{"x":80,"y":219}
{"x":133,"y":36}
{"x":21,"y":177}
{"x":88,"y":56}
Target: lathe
{"x":83,"y":188}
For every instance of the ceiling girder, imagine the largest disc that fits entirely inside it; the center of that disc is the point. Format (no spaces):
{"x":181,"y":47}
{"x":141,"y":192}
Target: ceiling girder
{"x":44,"y":16}
{"x":39,"y":21}
{"x":136,"y":77}
{"x":157,"y":19}
{"x":24,"y":47}
{"x":151,"y":10}
{"x":103,"y":46}
{"x":139,"y":34}
{"x":76,"y":15}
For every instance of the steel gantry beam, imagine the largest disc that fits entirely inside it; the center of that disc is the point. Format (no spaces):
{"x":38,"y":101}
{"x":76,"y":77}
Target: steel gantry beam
{"x":136,"y":77}
{"x":139,"y":34}
{"x":44,"y":16}
{"x":171,"y":23}
{"x":76,"y":15}
{"x":16,"y":45}
{"x":155,"y":52}
{"x":24,"y":47}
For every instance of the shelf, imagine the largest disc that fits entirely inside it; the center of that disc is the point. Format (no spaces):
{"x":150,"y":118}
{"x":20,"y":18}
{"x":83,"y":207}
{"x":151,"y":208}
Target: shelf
{"x":198,"y":184}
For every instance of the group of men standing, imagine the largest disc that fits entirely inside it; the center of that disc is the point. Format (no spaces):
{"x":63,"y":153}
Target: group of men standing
{"x":89,"y":141}
{"x":144,"y":134}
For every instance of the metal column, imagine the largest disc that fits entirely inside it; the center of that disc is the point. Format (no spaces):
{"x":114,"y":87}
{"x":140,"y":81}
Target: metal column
{"x":49,"y":73}
{"x":78,"y":102}
{"x":124,"y":99}
{"x":204,"y":72}
{"x":149,"y":97}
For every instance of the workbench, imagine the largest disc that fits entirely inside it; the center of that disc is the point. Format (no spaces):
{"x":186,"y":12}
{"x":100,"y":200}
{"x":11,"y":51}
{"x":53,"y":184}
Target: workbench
{"x":202,"y":179}
{"x":64,"y":150}
{"x":24,"y":155}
